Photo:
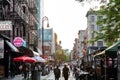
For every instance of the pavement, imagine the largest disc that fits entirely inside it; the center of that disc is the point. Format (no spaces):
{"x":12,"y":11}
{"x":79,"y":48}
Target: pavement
{"x":46,"y":77}
{"x":17,"y":77}
{"x":20,"y":77}
{"x":51,"y":76}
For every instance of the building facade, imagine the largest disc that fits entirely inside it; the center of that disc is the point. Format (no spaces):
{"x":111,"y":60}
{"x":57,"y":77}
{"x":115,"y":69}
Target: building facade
{"x":92,"y":18}
{"x":23,"y":15}
{"x":49,"y":43}
{"x":81,"y":38}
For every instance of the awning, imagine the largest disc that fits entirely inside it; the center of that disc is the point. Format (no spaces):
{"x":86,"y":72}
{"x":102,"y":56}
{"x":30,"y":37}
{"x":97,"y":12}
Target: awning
{"x":39,"y":51}
{"x":36,"y":53}
{"x":113,"y":48}
{"x":26,"y":51}
{"x":24,"y":59}
{"x":39,"y":59}
{"x":110,"y":51}
{"x":103,"y":52}
{"x":11,"y":46}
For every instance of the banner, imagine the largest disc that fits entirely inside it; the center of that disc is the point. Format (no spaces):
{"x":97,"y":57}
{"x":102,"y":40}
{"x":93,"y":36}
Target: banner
{"x":5,"y":25}
{"x":1,"y":48}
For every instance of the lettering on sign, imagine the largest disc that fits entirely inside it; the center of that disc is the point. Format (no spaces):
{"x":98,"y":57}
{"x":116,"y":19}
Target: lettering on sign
{"x":5,"y":25}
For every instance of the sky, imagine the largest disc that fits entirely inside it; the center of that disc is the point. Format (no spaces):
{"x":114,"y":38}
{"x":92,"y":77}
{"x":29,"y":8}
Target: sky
{"x":66,"y":17}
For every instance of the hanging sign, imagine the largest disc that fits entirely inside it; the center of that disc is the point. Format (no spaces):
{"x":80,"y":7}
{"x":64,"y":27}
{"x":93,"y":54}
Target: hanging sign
{"x":18,"y":41}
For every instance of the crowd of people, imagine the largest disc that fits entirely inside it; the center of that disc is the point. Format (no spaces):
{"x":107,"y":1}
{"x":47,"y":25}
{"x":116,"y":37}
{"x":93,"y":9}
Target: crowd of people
{"x":78,"y":72}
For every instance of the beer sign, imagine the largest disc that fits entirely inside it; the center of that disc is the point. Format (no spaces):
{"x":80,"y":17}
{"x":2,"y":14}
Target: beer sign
{"x":18,"y":41}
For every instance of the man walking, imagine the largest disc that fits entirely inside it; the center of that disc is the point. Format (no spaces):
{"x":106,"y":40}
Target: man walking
{"x":57,"y":73}
{"x":65,"y":72}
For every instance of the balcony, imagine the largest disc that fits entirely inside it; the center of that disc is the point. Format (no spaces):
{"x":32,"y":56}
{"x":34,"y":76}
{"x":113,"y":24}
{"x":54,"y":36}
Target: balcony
{"x":33,"y":20}
{"x":32,"y":6}
{"x":20,"y":13}
{"x":23,"y":1}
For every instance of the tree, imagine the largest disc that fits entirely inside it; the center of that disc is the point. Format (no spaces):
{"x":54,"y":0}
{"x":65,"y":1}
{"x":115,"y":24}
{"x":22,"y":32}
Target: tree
{"x":101,"y":1}
{"x":61,"y":55}
{"x":111,"y":23}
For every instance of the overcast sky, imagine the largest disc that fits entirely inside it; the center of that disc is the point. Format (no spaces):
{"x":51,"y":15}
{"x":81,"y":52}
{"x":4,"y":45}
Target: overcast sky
{"x":66,"y":17}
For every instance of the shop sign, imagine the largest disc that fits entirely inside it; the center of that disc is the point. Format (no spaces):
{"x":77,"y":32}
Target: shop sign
{"x":5,"y":25}
{"x":1,"y":48}
{"x":18,"y":41}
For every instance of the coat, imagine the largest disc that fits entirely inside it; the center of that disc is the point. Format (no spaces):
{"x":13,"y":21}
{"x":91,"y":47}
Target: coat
{"x":65,"y":72}
{"x":57,"y":72}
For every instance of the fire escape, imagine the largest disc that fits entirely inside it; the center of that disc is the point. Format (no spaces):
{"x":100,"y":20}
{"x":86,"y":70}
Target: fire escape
{"x":23,"y":14}
{"x":33,"y":22}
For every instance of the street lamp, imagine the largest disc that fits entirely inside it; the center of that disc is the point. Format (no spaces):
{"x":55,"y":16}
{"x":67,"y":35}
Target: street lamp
{"x":43,"y":20}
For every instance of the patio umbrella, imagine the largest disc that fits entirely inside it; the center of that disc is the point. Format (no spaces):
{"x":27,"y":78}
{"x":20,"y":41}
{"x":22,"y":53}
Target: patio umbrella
{"x":39,"y":59}
{"x":24,"y":59}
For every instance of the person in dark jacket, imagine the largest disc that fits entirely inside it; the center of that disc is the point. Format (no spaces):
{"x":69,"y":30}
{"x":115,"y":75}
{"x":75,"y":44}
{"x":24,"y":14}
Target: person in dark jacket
{"x":65,"y":72}
{"x":57,"y":73}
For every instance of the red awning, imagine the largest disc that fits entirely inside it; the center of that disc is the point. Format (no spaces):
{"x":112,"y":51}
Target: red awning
{"x":24,"y":59}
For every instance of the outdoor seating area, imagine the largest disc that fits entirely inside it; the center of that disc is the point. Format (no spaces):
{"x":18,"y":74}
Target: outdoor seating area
{"x":106,"y":63}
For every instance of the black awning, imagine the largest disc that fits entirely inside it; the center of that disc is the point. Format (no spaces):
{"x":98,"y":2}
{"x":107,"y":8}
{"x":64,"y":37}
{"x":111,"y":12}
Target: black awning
{"x":26,"y":51}
{"x":11,"y":46}
{"x":4,"y":37}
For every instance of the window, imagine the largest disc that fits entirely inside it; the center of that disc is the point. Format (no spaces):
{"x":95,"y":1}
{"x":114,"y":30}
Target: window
{"x":17,"y":33}
{"x":92,"y":27}
{"x":99,"y":43}
{"x":92,"y":18}
{"x":24,"y":9}
{"x":24,"y":30}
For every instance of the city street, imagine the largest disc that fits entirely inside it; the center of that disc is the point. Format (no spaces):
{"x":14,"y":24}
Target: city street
{"x":46,"y":77}
{"x":51,"y":76}
{"x":41,"y":39}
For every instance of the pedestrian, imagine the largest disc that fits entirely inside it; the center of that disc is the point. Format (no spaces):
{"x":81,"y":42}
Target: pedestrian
{"x":65,"y":72}
{"x":57,"y":73}
{"x":76,"y":72}
{"x":25,"y":71}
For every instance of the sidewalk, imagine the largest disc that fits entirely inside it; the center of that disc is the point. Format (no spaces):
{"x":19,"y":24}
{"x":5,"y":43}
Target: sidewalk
{"x":20,"y":77}
{"x":17,"y":77}
{"x":46,"y":77}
